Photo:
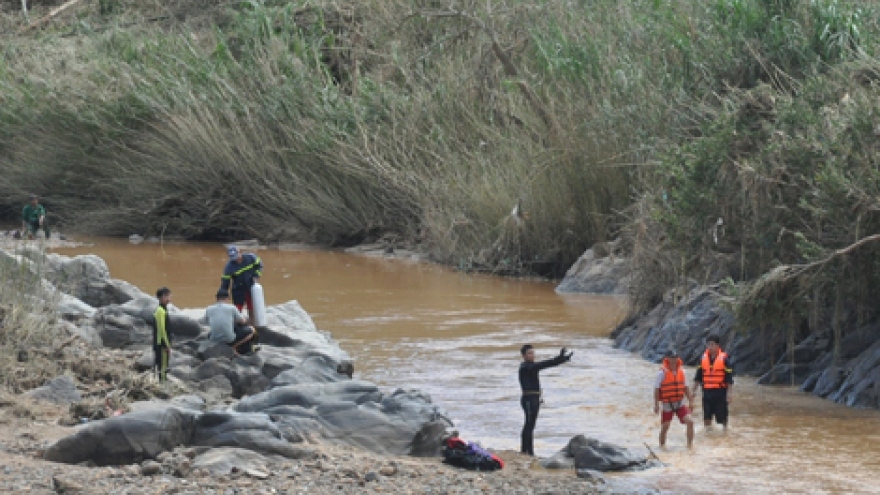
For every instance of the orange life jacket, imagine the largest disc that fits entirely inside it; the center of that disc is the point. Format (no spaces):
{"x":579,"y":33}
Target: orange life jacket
{"x":672,"y":387}
{"x":714,"y":372}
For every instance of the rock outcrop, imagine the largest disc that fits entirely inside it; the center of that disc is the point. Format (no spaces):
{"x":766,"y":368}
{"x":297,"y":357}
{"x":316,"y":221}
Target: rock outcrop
{"x":298,"y":387}
{"x":852,"y":377}
{"x":590,"y":455}
{"x":59,"y":390}
{"x":597,"y":271}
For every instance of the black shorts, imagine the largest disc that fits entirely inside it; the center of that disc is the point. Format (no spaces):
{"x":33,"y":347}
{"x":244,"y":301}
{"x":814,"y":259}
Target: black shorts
{"x":241,"y":333}
{"x":715,"y":405}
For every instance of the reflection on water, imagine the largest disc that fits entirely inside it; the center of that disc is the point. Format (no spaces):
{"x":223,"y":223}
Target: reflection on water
{"x":456,"y":336}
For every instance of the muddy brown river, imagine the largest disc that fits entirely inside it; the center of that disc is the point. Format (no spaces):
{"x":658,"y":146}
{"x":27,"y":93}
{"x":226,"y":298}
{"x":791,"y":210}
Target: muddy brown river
{"x":456,"y":336}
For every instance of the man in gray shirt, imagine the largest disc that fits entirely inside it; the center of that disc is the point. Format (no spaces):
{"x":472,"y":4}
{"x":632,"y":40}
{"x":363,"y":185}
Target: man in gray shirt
{"x":229,"y":326}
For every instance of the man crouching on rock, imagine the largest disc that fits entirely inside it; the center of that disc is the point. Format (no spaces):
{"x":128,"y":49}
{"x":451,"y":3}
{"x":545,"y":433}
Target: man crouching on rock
{"x":531,"y":391}
{"x":670,"y":390}
{"x":229,"y":326}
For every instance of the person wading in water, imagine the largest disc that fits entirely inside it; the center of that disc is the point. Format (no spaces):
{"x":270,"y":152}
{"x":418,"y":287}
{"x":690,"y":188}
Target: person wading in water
{"x":531,"y":391}
{"x":715,"y":374}
{"x":670,"y":390}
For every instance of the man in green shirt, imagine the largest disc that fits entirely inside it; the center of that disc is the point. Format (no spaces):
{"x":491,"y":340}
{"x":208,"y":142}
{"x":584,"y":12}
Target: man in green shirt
{"x":162,"y":335}
{"x":33,"y":218}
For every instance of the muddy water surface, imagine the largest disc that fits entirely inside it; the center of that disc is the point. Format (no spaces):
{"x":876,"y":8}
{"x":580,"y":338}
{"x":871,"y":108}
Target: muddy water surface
{"x":456,"y":336}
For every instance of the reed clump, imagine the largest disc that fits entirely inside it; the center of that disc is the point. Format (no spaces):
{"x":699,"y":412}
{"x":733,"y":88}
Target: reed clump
{"x":503,"y":136}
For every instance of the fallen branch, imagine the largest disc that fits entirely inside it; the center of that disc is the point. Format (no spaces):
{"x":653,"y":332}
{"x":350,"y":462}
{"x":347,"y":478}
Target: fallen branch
{"x":777,"y":285}
{"x":48,"y":17}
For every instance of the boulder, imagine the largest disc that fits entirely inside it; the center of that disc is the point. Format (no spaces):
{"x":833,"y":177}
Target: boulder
{"x":130,"y":325}
{"x":251,"y":431}
{"x":222,"y":460}
{"x":597,"y":273}
{"x":59,"y":390}
{"x":126,"y":439}
{"x":312,"y":395}
{"x":87,"y":278}
{"x":73,"y":309}
{"x":291,"y":317}
{"x":428,"y":441}
{"x":186,"y":402}
{"x":354,"y":412}
{"x":589,"y":454}
{"x":312,"y":369}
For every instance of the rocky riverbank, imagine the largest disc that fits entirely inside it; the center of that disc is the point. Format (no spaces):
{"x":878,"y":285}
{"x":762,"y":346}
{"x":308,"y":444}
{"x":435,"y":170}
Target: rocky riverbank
{"x":289,"y":419}
{"x":848,"y":375}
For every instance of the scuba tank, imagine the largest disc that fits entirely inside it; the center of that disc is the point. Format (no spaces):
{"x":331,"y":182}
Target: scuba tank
{"x":259,"y":302}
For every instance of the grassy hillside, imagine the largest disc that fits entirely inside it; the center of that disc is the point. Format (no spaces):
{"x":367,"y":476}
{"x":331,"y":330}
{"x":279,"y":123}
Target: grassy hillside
{"x":337,"y":121}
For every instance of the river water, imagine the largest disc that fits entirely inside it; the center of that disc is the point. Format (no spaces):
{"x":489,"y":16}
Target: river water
{"x":456,"y":336}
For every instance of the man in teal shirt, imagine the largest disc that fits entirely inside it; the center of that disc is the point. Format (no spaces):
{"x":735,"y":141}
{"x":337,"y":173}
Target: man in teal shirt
{"x":33,"y":218}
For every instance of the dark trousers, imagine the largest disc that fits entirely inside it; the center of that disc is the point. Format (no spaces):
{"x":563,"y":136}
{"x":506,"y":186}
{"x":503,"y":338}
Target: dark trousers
{"x":160,"y":362}
{"x":531,"y":404}
{"x":241,"y":333}
{"x":242,"y":300}
{"x":34,"y":227}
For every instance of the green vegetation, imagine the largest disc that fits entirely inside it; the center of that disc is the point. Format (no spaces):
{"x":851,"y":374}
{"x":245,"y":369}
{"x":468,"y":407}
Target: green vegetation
{"x":722,"y":139}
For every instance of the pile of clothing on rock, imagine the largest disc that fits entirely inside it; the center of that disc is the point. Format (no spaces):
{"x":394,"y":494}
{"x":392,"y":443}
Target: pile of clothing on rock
{"x":468,"y":455}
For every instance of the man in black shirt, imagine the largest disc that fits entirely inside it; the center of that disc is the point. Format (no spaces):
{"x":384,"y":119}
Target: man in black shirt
{"x":531,"y":391}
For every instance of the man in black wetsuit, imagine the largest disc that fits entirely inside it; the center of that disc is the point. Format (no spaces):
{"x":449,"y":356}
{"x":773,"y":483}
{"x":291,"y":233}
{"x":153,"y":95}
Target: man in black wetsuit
{"x":531,"y":390}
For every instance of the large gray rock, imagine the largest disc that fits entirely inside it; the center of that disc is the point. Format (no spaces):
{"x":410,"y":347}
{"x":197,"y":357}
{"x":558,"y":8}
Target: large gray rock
{"x":291,"y":317}
{"x":87,"y":278}
{"x":251,"y":431}
{"x":130,"y":325}
{"x":73,"y":309}
{"x":126,"y":439}
{"x":356,"y":413}
{"x":597,"y":273}
{"x":187,"y":402}
{"x":59,"y":390}
{"x":311,"y":395}
{"x":589,"y":454}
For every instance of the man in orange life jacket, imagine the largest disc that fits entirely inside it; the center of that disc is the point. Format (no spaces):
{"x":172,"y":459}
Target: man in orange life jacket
{"x":715,"y":374}
{"x":670,"y":390}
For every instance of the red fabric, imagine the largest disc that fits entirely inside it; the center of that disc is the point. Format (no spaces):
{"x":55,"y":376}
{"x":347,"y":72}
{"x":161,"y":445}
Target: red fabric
{"x":456,"y":443}
{"x":249,"y":303}
{"x":681,"y":412}
{"x":498,"y":460}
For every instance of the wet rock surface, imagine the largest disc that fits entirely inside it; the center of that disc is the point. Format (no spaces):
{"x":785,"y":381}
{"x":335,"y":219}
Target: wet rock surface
{"x":589,"y":455}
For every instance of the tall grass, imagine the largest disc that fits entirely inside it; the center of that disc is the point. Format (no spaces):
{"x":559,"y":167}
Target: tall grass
{"x":28,"y":322}
{"x":337,"y":121}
